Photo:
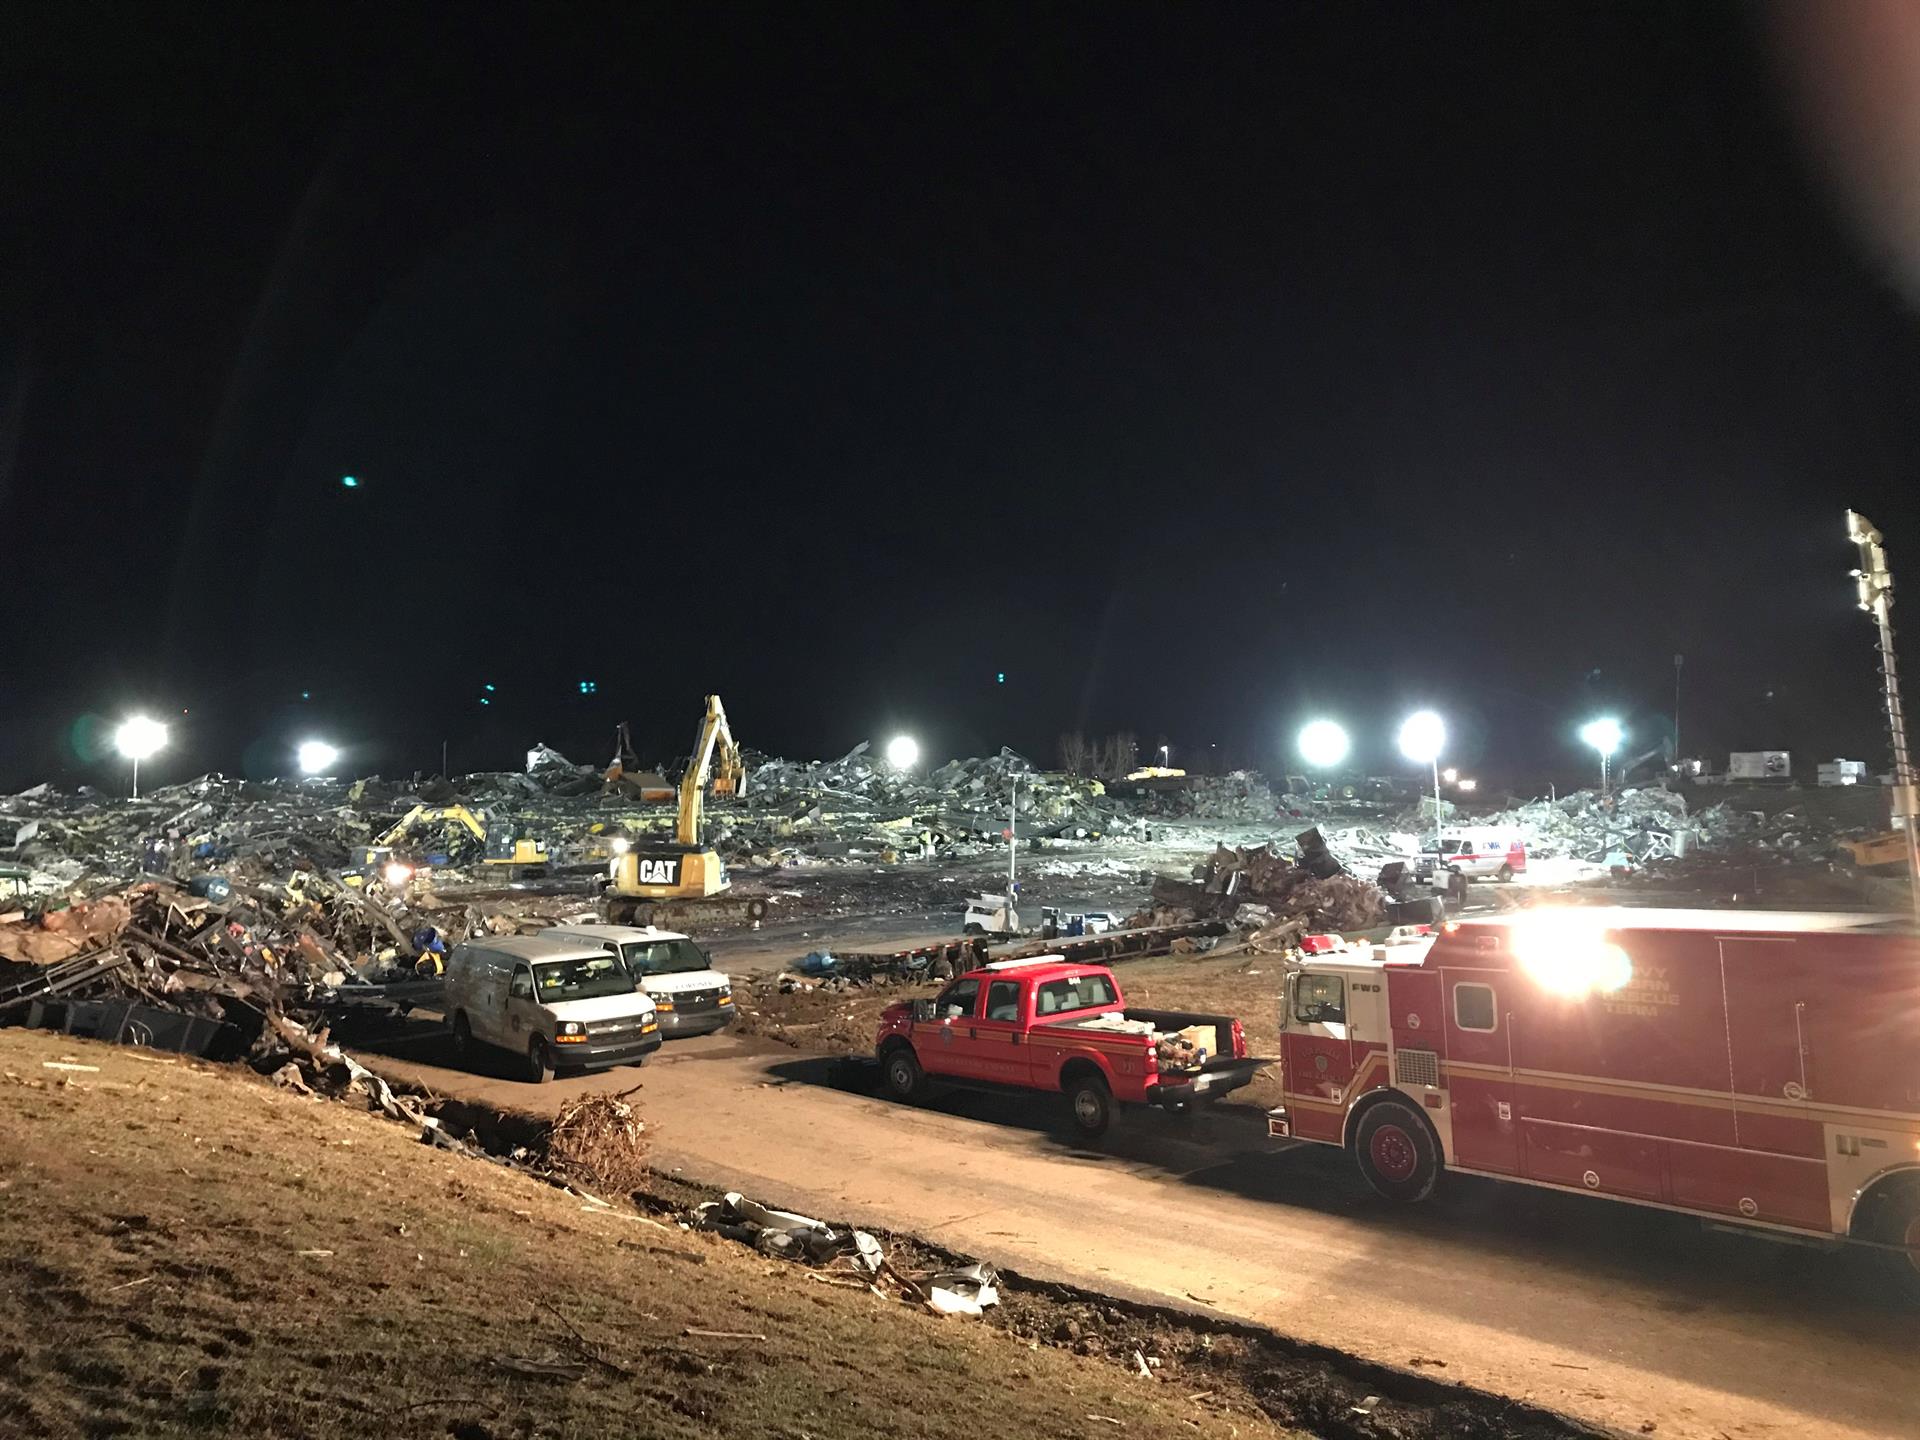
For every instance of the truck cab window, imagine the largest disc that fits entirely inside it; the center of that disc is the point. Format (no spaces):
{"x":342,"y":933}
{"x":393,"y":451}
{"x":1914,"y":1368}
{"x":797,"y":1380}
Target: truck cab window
{"x":1320,"y":999}
{"x":1082,"y":992}
{"x":1473,"y":1007}
{"x":957,"y":1000}
{"x":1003,"y":1000}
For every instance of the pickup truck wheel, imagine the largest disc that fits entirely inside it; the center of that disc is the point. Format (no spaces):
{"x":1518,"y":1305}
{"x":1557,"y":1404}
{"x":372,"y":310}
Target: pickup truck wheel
{"x":1090,"y":1105}
{"x":539,"y":1061}
{"x":905,"y":1079}
{"x":1396,"y":1152}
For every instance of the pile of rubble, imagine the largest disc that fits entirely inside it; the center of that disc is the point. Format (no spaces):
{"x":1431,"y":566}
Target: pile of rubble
{"x":860,"y":807}
{"x":204,"y":965}
{"x":1241,"y":797}
{"x":1261,"y":889}
{"x":1640,"y":824}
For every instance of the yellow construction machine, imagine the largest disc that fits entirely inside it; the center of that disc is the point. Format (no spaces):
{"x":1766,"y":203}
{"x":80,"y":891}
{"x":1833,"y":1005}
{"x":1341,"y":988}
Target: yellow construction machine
{"x":646,"y":874}
{"x":457,"y":829}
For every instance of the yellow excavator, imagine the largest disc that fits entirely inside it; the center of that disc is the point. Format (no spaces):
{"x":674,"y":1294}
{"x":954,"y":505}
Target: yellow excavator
{"x":503,"y":850}
{"x":645,"y":875}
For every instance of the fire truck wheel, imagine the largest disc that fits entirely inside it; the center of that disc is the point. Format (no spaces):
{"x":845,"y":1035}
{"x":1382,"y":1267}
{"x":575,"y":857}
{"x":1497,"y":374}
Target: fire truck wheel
{"x":905,"y":1079}
{"x":1090,"y":1105}
{"x":1894,"y":1219}
{"x":1396,"y":1152}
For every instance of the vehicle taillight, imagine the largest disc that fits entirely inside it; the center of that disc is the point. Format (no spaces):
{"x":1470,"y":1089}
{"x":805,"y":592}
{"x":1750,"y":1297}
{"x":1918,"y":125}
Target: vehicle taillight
{"x":1239,"y":1042}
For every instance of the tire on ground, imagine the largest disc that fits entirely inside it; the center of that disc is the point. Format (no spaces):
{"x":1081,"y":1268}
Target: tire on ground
{"x":1396,"y":1151}
{"x":462,"y":1035}
{"x":1090,"y":1106}
{"x":1889,"y":1214}
{"x":539,"y":1061}
{"x":900,"y":1070}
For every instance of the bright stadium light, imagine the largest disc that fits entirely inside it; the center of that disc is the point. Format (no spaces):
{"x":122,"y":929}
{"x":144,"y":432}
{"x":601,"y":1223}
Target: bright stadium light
{"x":903,"y":752}
{"x":1323,"y":744}
{"x":1605,"y":736}
{"x":316,"y":757}
{"x":139,"y":738}
{"x":1423,"y":734}
{"x":1422,"y":737}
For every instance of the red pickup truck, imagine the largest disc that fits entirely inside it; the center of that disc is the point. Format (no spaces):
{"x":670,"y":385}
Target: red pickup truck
{"x":1046,"y":1024}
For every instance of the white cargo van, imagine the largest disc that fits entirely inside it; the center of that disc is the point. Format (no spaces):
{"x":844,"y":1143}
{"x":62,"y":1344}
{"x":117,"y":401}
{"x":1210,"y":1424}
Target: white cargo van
{"x":558,"y":1004}
{"x":693,"y":998}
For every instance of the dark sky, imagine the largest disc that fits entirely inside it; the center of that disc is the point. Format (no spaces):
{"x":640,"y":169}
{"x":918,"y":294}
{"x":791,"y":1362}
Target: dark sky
{"x":1203,"y":368}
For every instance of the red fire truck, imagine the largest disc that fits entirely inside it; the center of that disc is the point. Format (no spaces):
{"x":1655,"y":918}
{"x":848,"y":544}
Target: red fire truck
{"x":1762,"y":1069}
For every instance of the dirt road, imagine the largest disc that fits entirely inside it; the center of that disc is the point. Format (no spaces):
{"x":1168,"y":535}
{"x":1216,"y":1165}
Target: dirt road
{"x":1616,"y":1315}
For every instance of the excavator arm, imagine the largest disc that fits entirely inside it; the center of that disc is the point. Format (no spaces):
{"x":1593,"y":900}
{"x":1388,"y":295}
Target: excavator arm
{"x":715,"y":755}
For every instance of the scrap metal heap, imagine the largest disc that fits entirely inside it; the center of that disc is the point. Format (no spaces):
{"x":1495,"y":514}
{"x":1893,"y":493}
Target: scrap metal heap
{"x":1260,"y":889}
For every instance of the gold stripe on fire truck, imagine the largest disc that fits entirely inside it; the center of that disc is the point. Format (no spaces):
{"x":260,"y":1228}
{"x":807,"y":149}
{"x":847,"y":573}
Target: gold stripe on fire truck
{"x":1362,"y":1077}
{"x":1684,"y":1095}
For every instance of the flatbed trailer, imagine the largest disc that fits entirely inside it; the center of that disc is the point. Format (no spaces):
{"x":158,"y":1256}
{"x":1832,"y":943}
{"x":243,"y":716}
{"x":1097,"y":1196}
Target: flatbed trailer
{"x":945,"y":959}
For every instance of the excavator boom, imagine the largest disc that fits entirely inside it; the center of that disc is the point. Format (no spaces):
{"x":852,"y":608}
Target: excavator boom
{"x":715,"y":754}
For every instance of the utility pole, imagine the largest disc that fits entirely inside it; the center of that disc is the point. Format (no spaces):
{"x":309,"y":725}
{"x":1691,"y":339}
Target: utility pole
{"x":1678,"y":661}
{"x":1013,"y":840}
{"x":1875,"y":584}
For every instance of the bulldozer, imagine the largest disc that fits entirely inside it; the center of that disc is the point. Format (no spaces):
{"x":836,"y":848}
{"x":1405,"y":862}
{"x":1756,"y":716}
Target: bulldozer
{"x":645,"y":876}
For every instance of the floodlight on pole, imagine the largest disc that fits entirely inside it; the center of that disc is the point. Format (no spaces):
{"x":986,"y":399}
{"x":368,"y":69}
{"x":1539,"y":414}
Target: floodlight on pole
{"x":1323,"y":744}
{"x":1605,"y":736}
{"x":1874,"y":586}
{"x":1423,"y":735}
{"x":903,"y":752}
{"x":1166,"y":756}
{"x":316,"y":757}
{"x":139,"y":738}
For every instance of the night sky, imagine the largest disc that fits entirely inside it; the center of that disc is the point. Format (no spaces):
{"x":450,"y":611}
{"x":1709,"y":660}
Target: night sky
{"x":1201,"y":368}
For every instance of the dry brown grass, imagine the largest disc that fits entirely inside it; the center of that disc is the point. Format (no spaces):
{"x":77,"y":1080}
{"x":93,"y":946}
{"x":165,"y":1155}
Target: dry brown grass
{"x":187,"y":1251}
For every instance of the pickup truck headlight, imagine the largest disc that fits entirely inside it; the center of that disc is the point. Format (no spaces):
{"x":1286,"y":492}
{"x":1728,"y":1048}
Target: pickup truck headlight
{"x":570,"y":1032}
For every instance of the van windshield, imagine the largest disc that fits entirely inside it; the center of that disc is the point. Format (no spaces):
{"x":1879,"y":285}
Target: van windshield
{"x":582,"y":979}
{"x":664,"y":957}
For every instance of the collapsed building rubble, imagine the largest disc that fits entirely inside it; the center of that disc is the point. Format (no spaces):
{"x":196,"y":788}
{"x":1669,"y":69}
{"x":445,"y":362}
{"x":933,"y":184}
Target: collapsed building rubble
{"x":1279,"y":896}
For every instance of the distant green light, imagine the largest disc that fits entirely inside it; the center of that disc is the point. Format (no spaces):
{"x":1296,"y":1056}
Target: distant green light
{"x":489,"y":689}
{"x":1001,"y":678}
{"x":485,"y":701}
{"x":306,"y":694}
{"x":352,"y":482}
